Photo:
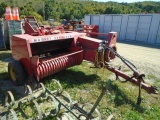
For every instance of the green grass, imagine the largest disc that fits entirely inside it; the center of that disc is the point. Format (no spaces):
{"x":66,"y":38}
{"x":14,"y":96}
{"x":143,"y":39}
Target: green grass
{"x":4,"y":64}
{"x":83,"y":83}
{"x":3,"y":69}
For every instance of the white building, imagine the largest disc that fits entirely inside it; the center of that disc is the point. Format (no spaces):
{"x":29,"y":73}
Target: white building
{"x":130,"y":27}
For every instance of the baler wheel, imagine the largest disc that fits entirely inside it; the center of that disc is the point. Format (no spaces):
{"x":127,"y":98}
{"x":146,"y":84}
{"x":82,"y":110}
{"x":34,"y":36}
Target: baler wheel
{"x":16,"y":72}
{"x":108,"y":55}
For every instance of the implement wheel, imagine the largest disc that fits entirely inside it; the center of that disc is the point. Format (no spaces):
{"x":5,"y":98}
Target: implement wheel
{"x":108,"y":55}
{"x":16,"y":72}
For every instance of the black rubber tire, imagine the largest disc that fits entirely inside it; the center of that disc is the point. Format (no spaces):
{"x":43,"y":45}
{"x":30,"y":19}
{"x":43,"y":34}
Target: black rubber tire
{"x":16,"y":72}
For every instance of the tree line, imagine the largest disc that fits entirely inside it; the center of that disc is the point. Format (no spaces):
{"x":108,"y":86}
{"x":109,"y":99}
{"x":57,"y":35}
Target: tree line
{"x":76,"y":9}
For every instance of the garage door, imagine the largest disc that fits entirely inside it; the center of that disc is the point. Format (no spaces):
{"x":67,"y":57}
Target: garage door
{"x":95,"y":20}
{"x":87,"y":19}
{"x":132,"y":27}
{"x":158,"y":35}
{"x":112,"y":23}
{"x":107,"y":23}
{"x":116,"y":24}
{"x":143,"y":28}
{"x":138,"y":27}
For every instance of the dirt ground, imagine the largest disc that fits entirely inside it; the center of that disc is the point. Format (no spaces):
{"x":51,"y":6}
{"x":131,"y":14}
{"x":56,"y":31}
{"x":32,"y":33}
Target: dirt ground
{"x":145,"y":57}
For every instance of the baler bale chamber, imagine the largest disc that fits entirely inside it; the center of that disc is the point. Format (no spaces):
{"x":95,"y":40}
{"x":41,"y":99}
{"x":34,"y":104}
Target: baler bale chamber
{"x":36,"y":57}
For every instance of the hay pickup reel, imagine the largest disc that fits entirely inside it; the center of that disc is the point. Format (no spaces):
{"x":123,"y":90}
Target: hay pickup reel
{"x":42,"y":52}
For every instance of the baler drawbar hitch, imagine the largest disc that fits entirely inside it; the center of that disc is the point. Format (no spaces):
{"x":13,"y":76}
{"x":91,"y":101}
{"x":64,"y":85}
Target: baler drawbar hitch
{"x":136,"y":78}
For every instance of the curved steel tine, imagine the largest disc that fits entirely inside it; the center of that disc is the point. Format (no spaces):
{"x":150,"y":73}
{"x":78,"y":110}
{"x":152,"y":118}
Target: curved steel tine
{"x":59,"y":91}
{"x":82,"y":117}
{"x":20,"y":108}
{"x":55,"y":103}
{"x":69,"y":98}
{"x":38,"y":109}
{"x":43,"y":87}
{"x":7,"y":102}
{"x":13,"y":113}
{"x":29,"y":89}
{"x":67,"y":115}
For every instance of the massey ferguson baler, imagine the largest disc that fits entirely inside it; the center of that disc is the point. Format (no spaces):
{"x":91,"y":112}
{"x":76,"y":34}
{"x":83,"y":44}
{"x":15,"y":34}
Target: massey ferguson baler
{"x":42,"y":52}
{"x":41,"y":56}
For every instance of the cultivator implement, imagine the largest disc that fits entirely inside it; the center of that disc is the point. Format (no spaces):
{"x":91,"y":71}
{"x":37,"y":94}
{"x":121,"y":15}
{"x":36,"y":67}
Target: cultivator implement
{"x":58,"y":102}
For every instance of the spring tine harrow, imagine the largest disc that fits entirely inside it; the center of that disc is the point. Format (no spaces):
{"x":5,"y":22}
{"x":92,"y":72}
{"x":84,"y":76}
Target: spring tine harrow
{"x":61,"y":105}
{"x":9,"y":99}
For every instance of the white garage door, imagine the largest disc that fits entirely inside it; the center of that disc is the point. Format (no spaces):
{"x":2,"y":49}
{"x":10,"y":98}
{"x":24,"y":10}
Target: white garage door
{"x":95,"y":20}
{"x":107,"y":23}
{"x":116,"y":24}
{"x":132,"y":27}
{"x":138,"y":27}
{"x":143,"y":28}
{"x":158,"y":35}
{"x":112,"y":23}
{"x":87,"y":19}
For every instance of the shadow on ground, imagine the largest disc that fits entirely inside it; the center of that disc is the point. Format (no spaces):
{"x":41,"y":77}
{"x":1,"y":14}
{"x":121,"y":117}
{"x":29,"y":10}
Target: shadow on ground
{"x":5,"y":56}
{"x":6,"y":85}
{"x":121,"y":98}
{"x":4,"y":75}
{"x":72,"y":78}
{"x":68,"y":78}
{"x":143,"y":44}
